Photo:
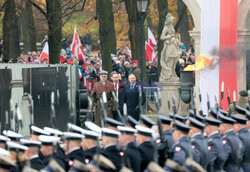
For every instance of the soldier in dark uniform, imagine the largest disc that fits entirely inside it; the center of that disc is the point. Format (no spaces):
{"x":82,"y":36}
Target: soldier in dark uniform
{"x":131,"y":155}
{"x":243,"y":134}
{"x":199,"y":143}
{"x":146,"y":122}
{"x":145,"y":145}
{"x":217,"y":155}
{"x":32,"y":153}
{"x":232,"y":144}
{"x":97,"y":93}
{"x":182,"y":148}
{"x":110,"y":151}
{"x":3,"y":141}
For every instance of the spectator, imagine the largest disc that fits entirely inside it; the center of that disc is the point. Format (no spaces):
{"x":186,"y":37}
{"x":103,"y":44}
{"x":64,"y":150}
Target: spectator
{"x":45,"y":61}
{"x":128,"y":69}
{"x":65,"y":43}
{"x":68,"y":52}
{"x":63,"y":56}
{"x":34,"y":57}
{"x":45,"y":39}
{"x":87,"y":41}
{"x":179,"y":67}
{"x":20,"y":60}
{"x":136,"y":69}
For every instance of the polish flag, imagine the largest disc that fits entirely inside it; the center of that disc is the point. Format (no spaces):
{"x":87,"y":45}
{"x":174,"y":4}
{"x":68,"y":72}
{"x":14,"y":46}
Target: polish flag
{"x":219,"y":26}
{"x":149,"y":51}
{"x":45,"y":52}
{"x":76,"y":47}
{"x":151,"y":39}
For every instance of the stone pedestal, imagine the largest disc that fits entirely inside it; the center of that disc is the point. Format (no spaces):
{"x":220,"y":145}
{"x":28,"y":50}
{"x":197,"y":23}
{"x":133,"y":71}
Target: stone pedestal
{"x":168,"y":90}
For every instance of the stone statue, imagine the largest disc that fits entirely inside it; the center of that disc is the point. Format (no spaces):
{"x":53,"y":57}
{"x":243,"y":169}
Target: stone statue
{"x":170,"y":51}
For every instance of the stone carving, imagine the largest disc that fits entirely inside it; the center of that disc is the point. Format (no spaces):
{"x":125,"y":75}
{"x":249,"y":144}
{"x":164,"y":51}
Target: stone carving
{"x":170,"y":51}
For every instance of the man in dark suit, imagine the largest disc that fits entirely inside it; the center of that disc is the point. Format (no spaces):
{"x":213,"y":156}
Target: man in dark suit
{"x":131,"y":156}
{"x":132,"y":92}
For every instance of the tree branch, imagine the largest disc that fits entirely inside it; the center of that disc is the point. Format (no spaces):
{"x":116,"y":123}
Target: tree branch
{"x":39,"y":8}
{"x":177,"y":25}
{"x":2,"y":7}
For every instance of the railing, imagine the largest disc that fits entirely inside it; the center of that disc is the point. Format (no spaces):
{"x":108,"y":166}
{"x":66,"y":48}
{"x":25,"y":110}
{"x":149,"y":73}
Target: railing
{"x":150,"y":104}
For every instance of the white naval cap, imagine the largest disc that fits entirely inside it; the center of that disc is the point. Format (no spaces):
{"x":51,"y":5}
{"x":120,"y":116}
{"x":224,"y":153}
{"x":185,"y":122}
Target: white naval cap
{"x":38,"y":131}
{"x":74,"y":128}
{"x":91,"y":134}
{"x":30,"y":143}
{"x":53,"y":131}
{"x":48,"y":140}
{"x":93,"y":127}
{"x":73,"y":136}
{"x":12,"y":135}
{"x":4,"y":152}
{"x":144,"y":130}
{"x":16,"y":147}
{"x":126,"y":130}
{"x":3,"y":139}
{"x":110,"y":133}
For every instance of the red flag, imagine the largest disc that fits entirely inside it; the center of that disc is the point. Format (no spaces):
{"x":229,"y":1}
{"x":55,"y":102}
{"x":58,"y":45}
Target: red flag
{"x":151,"y":39}
{"x":150,"y":53}
{"x":45,"y":52}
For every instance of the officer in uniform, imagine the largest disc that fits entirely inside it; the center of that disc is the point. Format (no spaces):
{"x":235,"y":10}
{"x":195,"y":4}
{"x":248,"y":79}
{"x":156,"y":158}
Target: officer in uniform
{"x":243,"y":134}
{"x":136,"y":70}
{"x":3,"y":141}
{"x":199,"y":143}
{"x":6,"y":164}
{"x":131,"y":155}
{"x":145,"y":146}
{"x":167,"y":129}
{"x":14,"y":137}
{"x":131,"y":122}
{"x":97,"y":94}
{"x":32,"y":153}
{"x":217,"y":155}
{"x":241,"y":102}
{"x":232,"y":144}
{"x":36,"y":132}
{"x":182,"y":148}
{"x":146,"y":122}
{"x":110,"y":151}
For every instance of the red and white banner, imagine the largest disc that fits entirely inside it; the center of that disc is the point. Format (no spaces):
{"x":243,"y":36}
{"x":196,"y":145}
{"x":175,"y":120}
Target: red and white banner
{"x":76,"y":47}
{"x":149,"y":47}
{"x":45,"y":52}
{"x":219,"y":27}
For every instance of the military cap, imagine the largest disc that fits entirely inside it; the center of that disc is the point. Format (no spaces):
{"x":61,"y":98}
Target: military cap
{"x":210,"y":121}
{"x":74,"y":128}
{"x":73,"y":136}
{"x":49,"y":140}
{"x":53,"y":166}
{"x":193,"y":166}
{"x":144,"y":130}
{"x":178,"y":125}
{"x":178,"y":117}
{"x":239,"y":119}
{"x":131,"y":121}
{"x":171,"y":165}
{"x":53,"y":131}
{"x":126,"y":130}
{"x":243,"y":93}
{"x":12,"y":135}
{"x":78,"y":166}
{"x":4,"y":139}
{"x":30,"y":143}
{"x":146,"y":121}
{"x":195,"y":123}
{"x":213,"y":112}
{"x":6,"y":162}
{"x":197,"y":116}
{"x":4,"y":152}
{"x":16,"y":147}
{"x":165,"y":120}
{"x":154,"y":167}
{"x":93,"y":127}
{"x":112,"y":122}
{"x":225,"y":119}
{"x":38,"y":131}
{"x":110,"y":133}
{"x":240,"y":110}
{"x":104,"y":163}
{"x":103,"y":73}
{"x":91,"y":134}
{"x":225,"y":113}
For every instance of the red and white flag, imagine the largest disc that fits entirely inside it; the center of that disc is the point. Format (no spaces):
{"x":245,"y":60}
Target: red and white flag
{"x":219,"y":25}
{"x":149,"y":47}
{"x":76,"y":47}
{"x":45,"y":52}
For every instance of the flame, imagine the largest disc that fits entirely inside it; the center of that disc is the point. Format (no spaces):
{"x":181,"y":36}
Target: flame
{"x":201,"y":62}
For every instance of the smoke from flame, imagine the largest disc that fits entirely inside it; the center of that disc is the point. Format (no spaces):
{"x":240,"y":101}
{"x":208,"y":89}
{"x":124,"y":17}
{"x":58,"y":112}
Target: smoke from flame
{"x":201,"y":62}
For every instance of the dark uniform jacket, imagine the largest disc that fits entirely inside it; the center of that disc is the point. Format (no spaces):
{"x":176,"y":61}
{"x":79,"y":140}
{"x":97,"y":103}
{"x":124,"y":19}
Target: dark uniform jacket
{"x":36,"y":163}
{"x":131,"y":98}
{"x":76,"y":154}
{"x":244,"y":136}
{"x":113,"y":154}
{"x":200,"y":150}
{"x":147,"y":152}
{"x":233,"y":148}
{"x":89,"y":154}
{"x":169,"y":137}
{"x":182,"y":149}
{"x":217,"y":155}
{"x":133,"y":158}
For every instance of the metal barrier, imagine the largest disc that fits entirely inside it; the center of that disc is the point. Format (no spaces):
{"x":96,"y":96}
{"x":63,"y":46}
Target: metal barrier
{"x":150,"y":104}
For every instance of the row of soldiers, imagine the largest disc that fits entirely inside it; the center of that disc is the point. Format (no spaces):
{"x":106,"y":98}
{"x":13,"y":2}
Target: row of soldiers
{"x":217,"y":142}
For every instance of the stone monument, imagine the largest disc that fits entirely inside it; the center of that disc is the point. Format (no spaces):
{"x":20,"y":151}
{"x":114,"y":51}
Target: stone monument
{"x":169,"y":82}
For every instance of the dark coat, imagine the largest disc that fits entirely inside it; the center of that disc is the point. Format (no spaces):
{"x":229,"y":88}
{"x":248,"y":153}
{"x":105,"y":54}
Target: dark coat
{"x":76,"y":154}
{"x":131,"y":98}
{"x":120,"y":94}
{"x":147,"y":152}
{"x":36,"y":163}
{"x":113,"y":154}
{"x":89,"y":154}
{"x":133,"y":158}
